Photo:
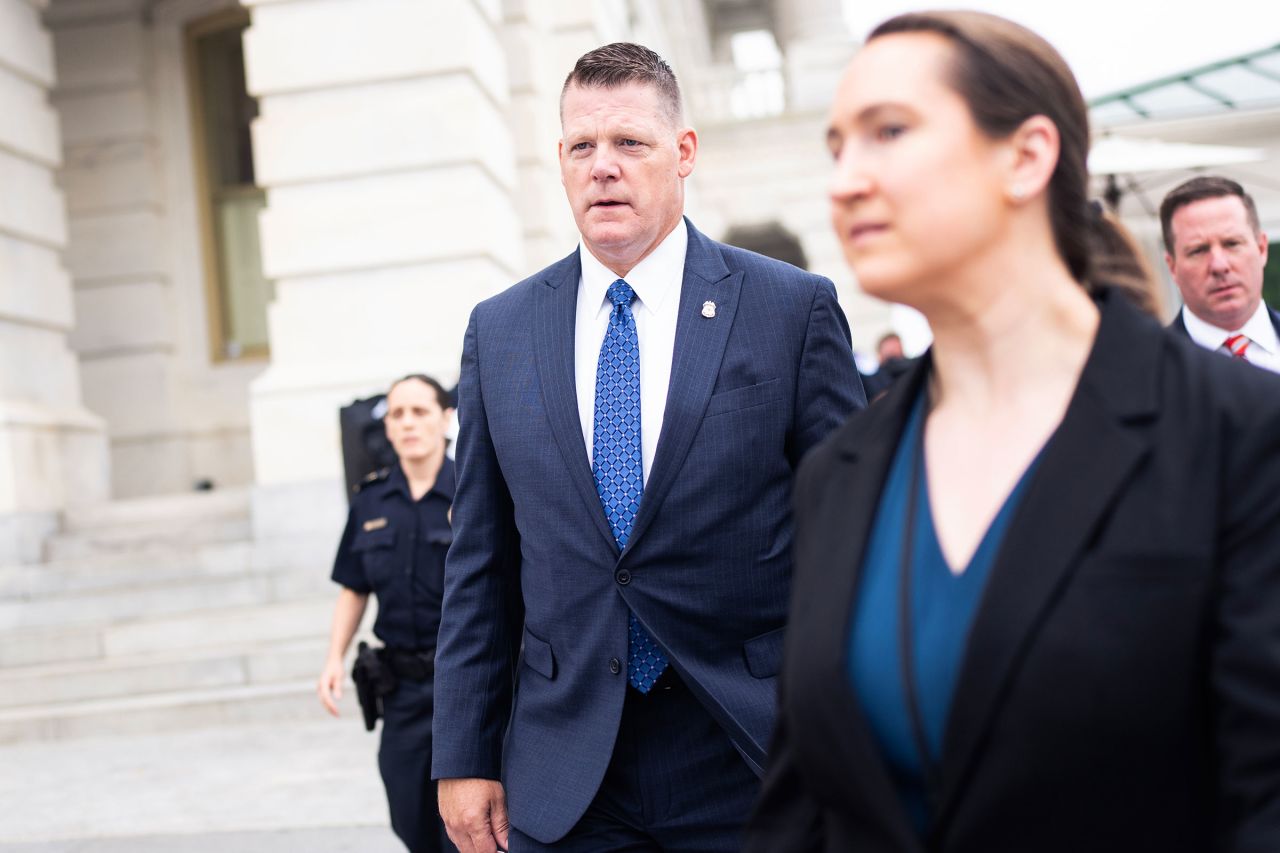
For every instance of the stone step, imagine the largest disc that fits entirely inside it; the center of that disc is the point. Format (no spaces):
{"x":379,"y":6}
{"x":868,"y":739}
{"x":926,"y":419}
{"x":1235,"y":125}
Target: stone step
{"x":34,"y":646}
{"x":365,"y":837}
{"x":135,"y":537}
{"x":197,"y":791}
{"x":143,"y":600}
{"x":328,"y":839}
{"x":165,"y":672}
{"x":161,"y":562}
{"x":120,"y":604}
{"x":299,"y":619}
{"x":127,"y":526}
{"x":102,"y":571}
{"x":291,"y":620}
{"x":173,"y":509}
{"x":160,"y":712}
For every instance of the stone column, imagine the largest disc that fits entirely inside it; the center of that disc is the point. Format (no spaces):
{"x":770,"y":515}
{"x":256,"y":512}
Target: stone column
{"x":390,"y":173}
{"x":536,"y":71}
{"x":579,"y":27}
{"x":120,"y":239}
{"x":52,"y":450}
{"x":816,"y":45}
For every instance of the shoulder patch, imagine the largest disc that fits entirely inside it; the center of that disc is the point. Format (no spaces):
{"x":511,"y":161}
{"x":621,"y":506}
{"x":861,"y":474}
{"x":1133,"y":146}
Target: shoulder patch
{"x":371,"y":478}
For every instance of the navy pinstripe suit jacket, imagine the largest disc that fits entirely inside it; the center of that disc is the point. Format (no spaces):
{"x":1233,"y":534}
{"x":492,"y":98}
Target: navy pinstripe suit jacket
{"x":707,"y":568}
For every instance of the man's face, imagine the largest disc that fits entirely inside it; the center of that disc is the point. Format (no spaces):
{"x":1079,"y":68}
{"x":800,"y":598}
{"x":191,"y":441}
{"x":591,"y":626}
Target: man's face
{"x":1217,"y":260}
{"x":889,"y":349}
{"x":623,"y":163}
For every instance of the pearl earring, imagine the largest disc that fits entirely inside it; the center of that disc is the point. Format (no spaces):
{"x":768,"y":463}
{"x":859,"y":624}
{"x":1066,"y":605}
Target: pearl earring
{"x":1017,"y":192}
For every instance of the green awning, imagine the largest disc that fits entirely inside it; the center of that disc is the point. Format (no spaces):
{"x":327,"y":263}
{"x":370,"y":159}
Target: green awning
{"x":1245,"y":82}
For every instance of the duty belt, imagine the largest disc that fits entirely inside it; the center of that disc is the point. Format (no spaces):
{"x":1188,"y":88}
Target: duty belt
{"x":411,"y":665}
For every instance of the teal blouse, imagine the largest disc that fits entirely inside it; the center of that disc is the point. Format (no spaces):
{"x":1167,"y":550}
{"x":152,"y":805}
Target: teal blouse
{"x":942,"y":609}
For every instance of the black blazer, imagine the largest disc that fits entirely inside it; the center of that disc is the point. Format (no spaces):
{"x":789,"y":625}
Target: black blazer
{"x":1120,"y":690}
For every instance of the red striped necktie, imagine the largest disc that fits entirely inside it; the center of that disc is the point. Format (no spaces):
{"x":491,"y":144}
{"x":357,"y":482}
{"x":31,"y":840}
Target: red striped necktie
{"x":1236,"y":345}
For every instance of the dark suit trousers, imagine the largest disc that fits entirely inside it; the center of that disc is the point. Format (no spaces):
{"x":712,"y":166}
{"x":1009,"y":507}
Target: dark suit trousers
{"x":675,"y":783}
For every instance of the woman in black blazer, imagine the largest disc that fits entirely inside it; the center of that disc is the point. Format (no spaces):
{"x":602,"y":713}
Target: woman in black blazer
{"x":1036,"y":603}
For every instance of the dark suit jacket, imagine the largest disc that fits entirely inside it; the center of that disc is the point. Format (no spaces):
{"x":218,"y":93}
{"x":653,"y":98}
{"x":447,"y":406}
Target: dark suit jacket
{"x":1180,"y":326}
{"x":1120,"y":690}
{"x":707,"y":568}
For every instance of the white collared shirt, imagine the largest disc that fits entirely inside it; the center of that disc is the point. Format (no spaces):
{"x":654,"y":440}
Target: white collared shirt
{"x":657,"y":281}
{"x":1264,"y":349}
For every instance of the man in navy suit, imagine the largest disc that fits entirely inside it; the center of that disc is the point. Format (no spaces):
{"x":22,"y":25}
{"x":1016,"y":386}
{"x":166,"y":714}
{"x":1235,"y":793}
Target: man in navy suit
{"x":630,"y":420}
{"x":1216,"y":251}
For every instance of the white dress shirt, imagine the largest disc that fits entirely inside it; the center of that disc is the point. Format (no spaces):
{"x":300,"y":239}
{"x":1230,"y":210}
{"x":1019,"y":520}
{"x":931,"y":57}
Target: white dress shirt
{"x":657,"y":281}
{"x":1264,"y":346}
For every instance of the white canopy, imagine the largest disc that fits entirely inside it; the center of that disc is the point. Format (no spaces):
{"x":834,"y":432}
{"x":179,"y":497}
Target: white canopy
{"x":1113,"y":155}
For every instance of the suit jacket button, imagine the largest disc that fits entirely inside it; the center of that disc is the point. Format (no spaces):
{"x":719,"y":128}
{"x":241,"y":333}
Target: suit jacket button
{"x":623,"y":577}
{"x":615,"y":666}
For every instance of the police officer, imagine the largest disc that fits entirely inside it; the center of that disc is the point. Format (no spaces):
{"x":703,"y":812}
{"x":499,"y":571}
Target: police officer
{"x":394,"y":547}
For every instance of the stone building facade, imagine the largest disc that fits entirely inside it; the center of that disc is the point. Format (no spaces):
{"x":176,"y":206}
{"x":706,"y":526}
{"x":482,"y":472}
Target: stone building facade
{"x":221,"y":220}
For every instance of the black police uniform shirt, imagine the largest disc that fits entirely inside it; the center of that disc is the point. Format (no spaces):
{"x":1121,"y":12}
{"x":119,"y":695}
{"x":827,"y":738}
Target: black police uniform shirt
{"x":394,"y":547}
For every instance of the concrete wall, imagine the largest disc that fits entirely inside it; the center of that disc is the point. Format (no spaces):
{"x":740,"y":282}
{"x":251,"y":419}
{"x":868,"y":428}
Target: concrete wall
{"x":391,"y":181}
{"x":175,"y":415}
{"x":533,"y":43}
{"x":816,"y":45}
{"x":52,"y":451}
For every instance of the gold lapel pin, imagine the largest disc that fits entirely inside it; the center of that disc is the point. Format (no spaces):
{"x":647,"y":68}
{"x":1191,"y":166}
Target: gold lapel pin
{"x":708,"y":309}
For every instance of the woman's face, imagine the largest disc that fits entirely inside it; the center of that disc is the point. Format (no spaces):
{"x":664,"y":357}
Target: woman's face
{"x":415,"y":421}
{"x":918,"y":191}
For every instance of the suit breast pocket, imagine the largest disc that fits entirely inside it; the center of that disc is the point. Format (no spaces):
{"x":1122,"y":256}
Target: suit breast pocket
{"x":737,"y":399}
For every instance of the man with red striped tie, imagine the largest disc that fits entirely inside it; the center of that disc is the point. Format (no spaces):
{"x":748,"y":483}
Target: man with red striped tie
{"x":1216,"y":251}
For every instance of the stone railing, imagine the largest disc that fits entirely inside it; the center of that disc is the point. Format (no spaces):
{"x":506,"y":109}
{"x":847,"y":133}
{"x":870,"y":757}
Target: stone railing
{"x":725,"y":94}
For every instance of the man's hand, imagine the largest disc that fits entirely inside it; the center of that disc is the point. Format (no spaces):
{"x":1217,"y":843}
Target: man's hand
{"x":475,"y":813}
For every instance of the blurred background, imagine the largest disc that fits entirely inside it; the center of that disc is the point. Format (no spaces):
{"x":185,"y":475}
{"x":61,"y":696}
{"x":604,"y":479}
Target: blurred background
{"x":222,"y":221}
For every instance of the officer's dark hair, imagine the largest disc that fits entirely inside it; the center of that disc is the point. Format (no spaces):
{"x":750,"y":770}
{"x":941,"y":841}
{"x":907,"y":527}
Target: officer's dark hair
{"x":623,"y":62}
{"x":1007,"y":74}
{"x":442,"y":396}
{"x":1199,"y":189}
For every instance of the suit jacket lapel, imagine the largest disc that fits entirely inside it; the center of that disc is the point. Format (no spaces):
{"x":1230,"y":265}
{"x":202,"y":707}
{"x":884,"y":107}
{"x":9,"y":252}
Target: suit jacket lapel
{"x":1082,"y":471}
{"x":841,"y":519}
{"x":554,"y":327}
{"x":699,"y":348}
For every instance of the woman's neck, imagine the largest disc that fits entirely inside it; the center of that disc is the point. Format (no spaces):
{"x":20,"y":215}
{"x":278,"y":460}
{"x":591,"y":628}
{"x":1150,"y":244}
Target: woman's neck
{"x":422,"y":472}
{"x":1007,"y":329}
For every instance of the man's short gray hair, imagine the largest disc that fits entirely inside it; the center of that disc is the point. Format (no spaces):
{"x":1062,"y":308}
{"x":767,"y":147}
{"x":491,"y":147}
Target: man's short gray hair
{"x":624,"y":62}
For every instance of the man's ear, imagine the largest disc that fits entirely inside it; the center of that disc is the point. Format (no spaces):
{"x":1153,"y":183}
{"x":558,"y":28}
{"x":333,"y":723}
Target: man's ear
{"x":687,"y":146}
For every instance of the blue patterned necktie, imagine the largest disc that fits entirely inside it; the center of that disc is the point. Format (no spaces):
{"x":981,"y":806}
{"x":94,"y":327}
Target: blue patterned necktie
{"x":617,"y":461}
